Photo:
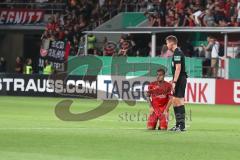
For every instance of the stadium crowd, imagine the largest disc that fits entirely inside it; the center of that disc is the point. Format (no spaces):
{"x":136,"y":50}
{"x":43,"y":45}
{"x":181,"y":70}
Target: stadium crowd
{"x":77,"y":17}
{"x":159,"y":12}
{"x":210,"y":13}
{"x":88,"y":14}
{"x":30,"y":4}
{"x":33,"y":1}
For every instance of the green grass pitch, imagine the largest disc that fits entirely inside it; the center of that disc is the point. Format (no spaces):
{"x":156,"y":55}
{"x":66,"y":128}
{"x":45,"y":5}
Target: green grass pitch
{"x":29,"y":130}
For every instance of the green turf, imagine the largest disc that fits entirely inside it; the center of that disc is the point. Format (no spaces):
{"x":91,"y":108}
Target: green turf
{"x":29,"y":130}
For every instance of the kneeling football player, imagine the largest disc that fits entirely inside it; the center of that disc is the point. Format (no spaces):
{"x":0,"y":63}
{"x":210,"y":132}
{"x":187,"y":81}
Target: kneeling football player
{"x":159,"y":98}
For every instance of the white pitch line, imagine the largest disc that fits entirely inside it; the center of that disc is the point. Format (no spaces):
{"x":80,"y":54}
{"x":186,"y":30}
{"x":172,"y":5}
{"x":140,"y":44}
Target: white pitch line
{"x":72,"y":128}
{"x":42,"y":128}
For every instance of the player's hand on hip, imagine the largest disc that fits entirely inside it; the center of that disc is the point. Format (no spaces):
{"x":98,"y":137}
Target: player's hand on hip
{"x":166,"y":111}
{"x":151,"y":110}
{"x":173,"y":87}
{"x":148,"y":94}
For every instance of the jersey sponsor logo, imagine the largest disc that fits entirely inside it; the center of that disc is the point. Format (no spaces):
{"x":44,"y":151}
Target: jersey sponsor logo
{"x":177,"y":58}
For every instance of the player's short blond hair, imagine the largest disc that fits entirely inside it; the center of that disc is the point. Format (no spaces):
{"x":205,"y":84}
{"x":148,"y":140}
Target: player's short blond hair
{"x":172,"y":38}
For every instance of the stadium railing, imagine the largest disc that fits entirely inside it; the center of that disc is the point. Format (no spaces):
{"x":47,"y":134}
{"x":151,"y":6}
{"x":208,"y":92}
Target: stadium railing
{"x":138,"y":7}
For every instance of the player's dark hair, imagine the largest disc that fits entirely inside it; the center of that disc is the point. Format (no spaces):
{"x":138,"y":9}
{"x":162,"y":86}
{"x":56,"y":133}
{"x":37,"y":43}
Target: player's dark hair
{"x":172,"y":38}
{"x":212,"y":37}
{"x":161,"y":70}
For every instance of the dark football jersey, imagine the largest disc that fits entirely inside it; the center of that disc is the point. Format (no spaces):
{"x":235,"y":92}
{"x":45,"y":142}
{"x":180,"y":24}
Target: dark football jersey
{"x":178,"y":58}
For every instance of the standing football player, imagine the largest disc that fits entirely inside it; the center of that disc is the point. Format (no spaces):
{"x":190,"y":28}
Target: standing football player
{"x":178,"y":83}
{"x":159,"y":98}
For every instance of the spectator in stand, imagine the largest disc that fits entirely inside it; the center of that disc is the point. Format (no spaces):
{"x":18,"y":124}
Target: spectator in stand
{"x":213,"y":48}
{"x":203,"y":53}
{"x":3,"y":63}
{"x":180,"y":5}
{"x":91,"y":43}
{"x":233,"y":22}
{"x":230,"y":8}
{"x":238,"y":52}
{"x":189,"y":18}
{"x":125,"y":49}
{"x":122,"y":40}
{"x":109,"y":49}
{"x":209,"y":19}
{"x":165,"y":52}
{"x":197,"y":16}
{"x":154,"y":19}
{"x":19,"y":65}
{"x":51,"y":25}
{"x":28,"y":66}
{"x":142,"y":5}
{"x":170,"y":18}
{"x":238,"y":11}
{"x":219,"y":10}
{"x":223,"y":23}
{"x":181,"y":18}
{"x":158,"y":20}
{"x":82,"y":22}
{"x":81,"y":46}
{"x":208,"y":48}
{"x":123,"y":45}
{"x":210,"y":5}
{"x":48,"y":68}
{"x":207,"y":54}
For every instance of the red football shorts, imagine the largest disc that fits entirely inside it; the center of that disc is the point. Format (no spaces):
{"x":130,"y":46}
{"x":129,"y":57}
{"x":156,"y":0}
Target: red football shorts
{"x":158,"y":116}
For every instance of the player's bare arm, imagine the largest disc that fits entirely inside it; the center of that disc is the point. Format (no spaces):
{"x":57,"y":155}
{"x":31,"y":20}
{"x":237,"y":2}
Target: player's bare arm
{"x":170,"y":102}
{"x":151,"y":110}
{"x":176,"y":76}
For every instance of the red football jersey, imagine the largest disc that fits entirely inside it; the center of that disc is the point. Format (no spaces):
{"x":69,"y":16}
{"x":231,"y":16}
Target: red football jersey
{"x":159,"y":93}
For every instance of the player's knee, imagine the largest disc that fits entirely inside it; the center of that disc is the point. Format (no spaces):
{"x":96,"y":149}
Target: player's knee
{"x":150,"y":128}
{"x":163,"y":128}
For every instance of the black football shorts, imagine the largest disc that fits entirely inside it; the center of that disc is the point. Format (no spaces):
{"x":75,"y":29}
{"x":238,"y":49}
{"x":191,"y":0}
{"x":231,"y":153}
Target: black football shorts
{"x":180,"y":87}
